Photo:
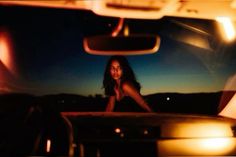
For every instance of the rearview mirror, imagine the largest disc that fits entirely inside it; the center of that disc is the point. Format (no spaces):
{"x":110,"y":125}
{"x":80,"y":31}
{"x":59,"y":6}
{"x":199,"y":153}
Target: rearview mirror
{"x":122,"y":45}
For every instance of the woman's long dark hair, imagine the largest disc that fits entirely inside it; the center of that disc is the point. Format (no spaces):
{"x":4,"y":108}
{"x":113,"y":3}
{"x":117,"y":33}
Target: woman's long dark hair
{"x":127,"y":76}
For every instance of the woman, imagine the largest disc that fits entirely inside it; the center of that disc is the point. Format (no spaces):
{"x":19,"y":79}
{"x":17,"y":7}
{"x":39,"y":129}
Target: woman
{"x":119,"y":81}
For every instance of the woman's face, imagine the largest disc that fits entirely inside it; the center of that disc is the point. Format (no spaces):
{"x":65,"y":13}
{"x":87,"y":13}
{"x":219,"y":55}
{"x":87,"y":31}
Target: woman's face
{"x":116,"y":70}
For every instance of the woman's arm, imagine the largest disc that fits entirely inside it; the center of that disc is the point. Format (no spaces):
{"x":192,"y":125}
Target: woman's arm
{"x":111,"y":104}
{"x":131,"y":91}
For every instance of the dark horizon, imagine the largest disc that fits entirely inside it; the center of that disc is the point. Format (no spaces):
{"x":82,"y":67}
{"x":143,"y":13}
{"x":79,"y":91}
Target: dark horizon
{"x":191,"y":103}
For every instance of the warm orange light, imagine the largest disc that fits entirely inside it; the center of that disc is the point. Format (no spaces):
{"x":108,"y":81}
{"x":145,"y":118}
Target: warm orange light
{"x":48,"y":146}
{"x":201,"y":138}
{"x":228,"y":28}
{"x":215,"y":144}
{"x":145,"y":132}
{"x":197,"y":130}
{"x":117,"y":130}
{"x":6,"y":56}
{"x":4,"y":52}
{"x":197,"y":147}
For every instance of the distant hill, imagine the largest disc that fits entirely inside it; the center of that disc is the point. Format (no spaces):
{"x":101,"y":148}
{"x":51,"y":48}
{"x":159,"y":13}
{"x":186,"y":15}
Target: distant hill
{"x":196,"y":103}
{"x":193,"y":103}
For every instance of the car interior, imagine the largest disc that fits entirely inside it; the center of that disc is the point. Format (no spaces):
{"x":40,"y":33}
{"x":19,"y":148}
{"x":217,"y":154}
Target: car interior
{"x":53,"y":55}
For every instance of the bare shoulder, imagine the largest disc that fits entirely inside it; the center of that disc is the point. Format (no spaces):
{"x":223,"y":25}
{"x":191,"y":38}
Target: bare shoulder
{"x":127,"y":86}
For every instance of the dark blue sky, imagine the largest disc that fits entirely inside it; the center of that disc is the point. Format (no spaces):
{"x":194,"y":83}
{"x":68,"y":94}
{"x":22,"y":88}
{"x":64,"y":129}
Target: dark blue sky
{"x":48,"y":52}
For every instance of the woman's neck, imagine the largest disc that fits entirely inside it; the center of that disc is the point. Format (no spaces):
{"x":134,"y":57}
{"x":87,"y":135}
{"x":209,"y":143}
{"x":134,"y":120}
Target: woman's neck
{"x":118,"y":90}
{"x":118,"y":82}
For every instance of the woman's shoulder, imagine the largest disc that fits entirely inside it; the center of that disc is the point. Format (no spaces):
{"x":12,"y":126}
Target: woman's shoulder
{"x":127,"y":85}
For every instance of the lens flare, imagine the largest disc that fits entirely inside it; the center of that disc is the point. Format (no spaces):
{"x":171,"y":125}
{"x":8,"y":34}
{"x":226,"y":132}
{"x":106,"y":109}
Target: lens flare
{"x":8,"y":73}
{"x":6,"y":55}
{"x":228,"y":27}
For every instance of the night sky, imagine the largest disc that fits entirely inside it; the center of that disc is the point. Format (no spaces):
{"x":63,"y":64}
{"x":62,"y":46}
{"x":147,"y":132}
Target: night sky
{"x":49,"y":57}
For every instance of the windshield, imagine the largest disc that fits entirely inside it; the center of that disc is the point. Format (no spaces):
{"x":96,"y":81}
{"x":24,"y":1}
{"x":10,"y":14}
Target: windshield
{"x":42,"y":54}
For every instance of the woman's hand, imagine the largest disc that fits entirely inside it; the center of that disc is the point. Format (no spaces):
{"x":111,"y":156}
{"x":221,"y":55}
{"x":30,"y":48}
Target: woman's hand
{"x":131,"y":91}
{"x":110,"y":104}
